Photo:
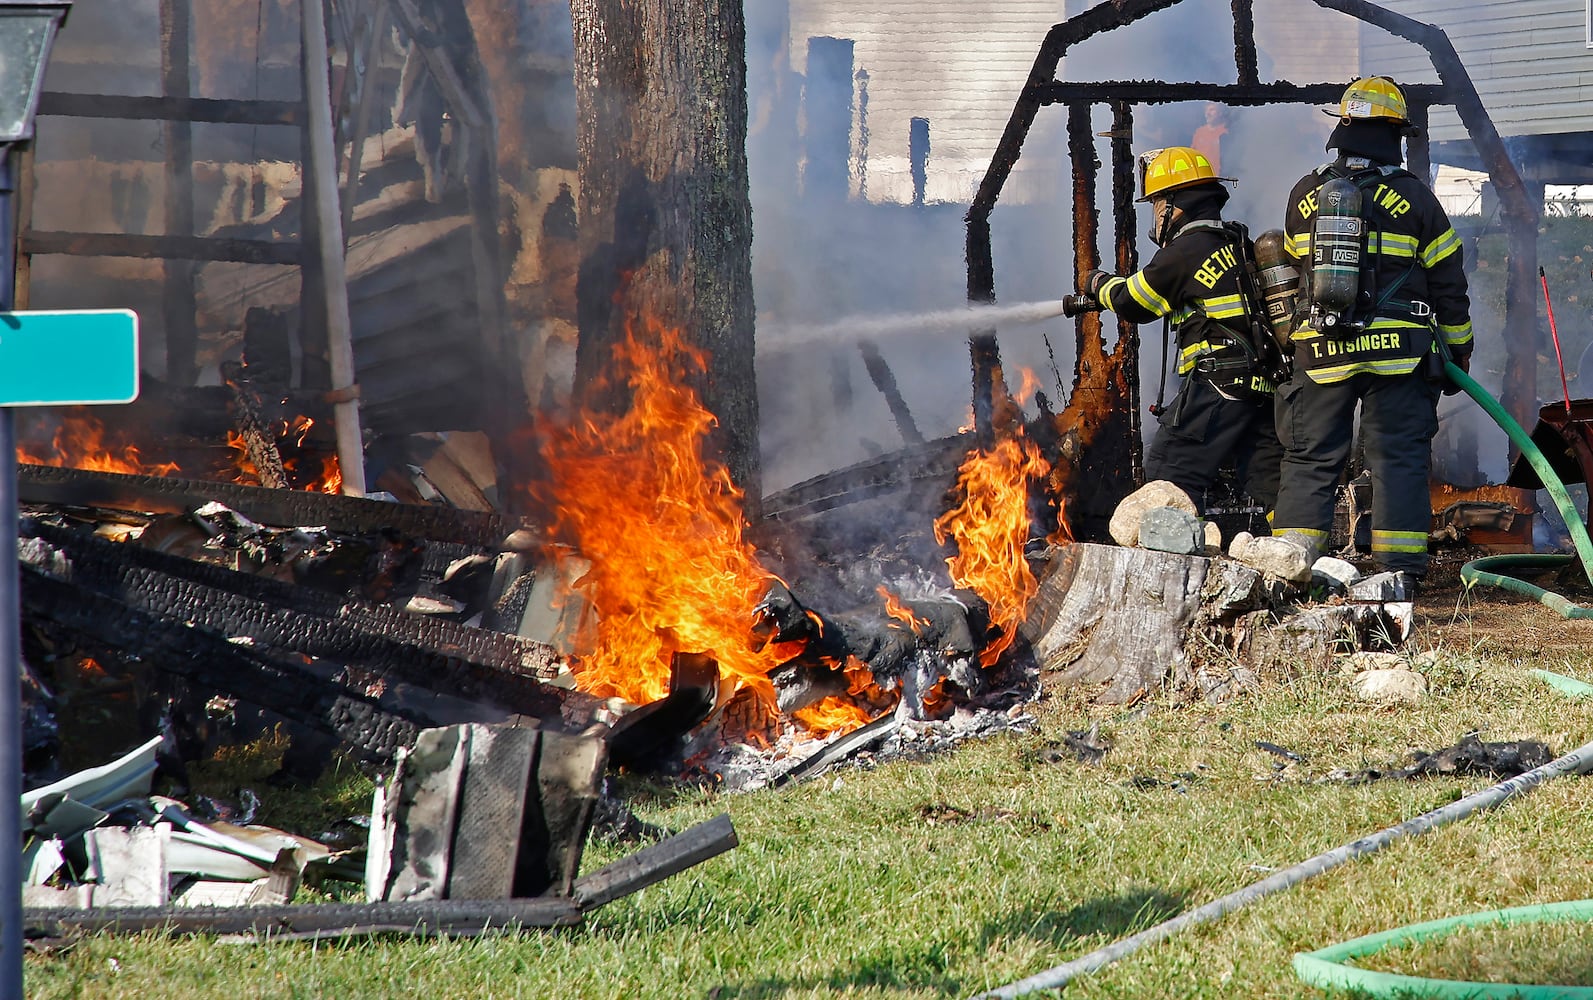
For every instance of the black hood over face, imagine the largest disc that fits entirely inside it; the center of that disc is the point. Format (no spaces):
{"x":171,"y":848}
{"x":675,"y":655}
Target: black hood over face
{"x":1377,"y":141}
{"x":1201,"y":201}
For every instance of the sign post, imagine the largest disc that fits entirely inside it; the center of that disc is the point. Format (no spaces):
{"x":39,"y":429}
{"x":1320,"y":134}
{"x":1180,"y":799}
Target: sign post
{"x":46,"y":359}
{"x":27,"y":32}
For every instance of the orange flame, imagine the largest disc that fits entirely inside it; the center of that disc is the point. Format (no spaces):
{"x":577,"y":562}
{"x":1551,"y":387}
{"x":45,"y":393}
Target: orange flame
{"x":834,"y":714}
{"x":291,"y":432}
{"x":899,"y":611}
{"x":990,"y":528}
{"x":662,"y":527}
{"x":82,"y":442}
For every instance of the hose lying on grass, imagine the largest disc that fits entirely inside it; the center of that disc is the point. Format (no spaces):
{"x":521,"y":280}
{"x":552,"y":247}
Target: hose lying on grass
{"x":1324,"y":967}
{"x":1483,"y":570}
{"x":1575,"y":762}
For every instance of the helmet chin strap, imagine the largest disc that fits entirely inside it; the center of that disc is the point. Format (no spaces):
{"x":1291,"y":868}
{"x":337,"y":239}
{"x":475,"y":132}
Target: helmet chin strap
{"x":1164,"y":221}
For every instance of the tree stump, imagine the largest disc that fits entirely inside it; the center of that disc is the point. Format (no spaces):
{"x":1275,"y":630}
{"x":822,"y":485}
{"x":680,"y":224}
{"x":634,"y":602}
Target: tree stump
{"x":1128,"y":621}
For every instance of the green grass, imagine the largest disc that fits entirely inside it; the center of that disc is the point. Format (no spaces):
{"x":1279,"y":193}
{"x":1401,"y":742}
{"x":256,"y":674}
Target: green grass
{"x":1557,"y":954}
{"x":969,"y":870}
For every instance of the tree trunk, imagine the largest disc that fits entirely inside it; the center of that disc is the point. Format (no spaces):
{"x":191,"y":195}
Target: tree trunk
{"x":665,"y":221}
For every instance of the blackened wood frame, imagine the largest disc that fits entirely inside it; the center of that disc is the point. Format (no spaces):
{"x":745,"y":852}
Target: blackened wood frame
{"x":1120,"y":447}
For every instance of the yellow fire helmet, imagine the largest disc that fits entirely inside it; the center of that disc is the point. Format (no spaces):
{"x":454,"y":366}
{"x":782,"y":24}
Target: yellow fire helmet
{"x":1372,"y":97}
{"x":1163,"y":170}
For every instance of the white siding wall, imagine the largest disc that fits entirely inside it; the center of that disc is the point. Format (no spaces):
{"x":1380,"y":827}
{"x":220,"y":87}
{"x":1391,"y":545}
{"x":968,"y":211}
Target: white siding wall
{"x":1304,"y":43}
{"x":958,"y":63}
{"x":1528,"y":58}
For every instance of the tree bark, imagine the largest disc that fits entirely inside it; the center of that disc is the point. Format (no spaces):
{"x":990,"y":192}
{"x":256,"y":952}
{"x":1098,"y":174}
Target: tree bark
{"x":665,"y":220}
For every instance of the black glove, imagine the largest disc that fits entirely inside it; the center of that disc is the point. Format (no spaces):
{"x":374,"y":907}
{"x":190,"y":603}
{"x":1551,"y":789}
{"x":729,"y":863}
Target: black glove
{"x":1093,"y":281}
{"x":1461,"y":361}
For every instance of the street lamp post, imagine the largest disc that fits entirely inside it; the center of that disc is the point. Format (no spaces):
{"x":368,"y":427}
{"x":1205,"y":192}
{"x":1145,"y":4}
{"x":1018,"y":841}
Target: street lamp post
{"x":27,"y":30}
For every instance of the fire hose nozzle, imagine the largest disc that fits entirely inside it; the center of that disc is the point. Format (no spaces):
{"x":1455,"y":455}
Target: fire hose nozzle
{"x":1077,"y":305}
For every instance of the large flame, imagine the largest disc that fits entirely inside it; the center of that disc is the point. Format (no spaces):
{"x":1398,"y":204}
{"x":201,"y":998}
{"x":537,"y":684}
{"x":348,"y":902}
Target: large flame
{"x":662,"y":528}
{"x":990,"y":528}
{"x":81,"y":441}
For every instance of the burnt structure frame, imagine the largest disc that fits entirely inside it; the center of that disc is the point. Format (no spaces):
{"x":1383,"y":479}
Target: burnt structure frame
{"x":182,"y":249}
{"x":1518,"y":213}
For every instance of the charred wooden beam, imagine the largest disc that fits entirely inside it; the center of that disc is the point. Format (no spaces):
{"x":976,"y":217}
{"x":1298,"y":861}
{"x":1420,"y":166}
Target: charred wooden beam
{"x":1099,"y":18}
{"x":177,"y":300}
{"x":340,"y":641}
{"x":188,"y":109}
{"x":879,"y":372}
{"x":989,"y":384}
{"x":309,"y":921}
{"x":657,"y":862}
{"x":261,"y":447}
{"x":1418,"y":151}
{"x":1244,"y":42}
{"x":210,"y":661}
{"x":1127,"y":257}
{"x":498,"y":650}
{"x":937,"y":459}
{"x":47,"y":484}
{"x":1239,"y":95}
{"x":161,"y":247}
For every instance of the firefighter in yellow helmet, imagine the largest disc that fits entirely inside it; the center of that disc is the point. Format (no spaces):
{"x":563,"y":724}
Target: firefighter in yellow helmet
{"x":1383,"y":294}
{"x":1199,"y":284}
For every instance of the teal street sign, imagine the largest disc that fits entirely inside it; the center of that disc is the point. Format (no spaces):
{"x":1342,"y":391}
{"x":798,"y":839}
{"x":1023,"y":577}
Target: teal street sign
{"x":53,"y":358}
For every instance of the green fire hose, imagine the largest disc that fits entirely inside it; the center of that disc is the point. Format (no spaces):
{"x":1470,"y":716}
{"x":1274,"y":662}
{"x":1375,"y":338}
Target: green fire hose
{"x":1325,"y":968}
{"x":1485,"y":570}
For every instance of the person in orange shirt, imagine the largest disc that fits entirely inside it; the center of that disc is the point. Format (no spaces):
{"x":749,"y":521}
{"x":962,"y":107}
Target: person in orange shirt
{"x":1208,"y":137}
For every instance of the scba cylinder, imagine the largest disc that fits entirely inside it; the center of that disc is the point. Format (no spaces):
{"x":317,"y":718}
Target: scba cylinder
{"x":1336,"y":251}
{"x":1280,"y":283}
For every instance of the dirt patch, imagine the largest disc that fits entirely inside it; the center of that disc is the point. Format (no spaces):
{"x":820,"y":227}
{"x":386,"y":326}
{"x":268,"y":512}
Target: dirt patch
{"x":1495,"y":622}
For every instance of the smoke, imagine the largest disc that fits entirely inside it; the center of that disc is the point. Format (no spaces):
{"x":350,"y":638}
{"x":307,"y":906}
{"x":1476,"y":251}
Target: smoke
{"x":830,"y":269}
{"x":855,"y":238}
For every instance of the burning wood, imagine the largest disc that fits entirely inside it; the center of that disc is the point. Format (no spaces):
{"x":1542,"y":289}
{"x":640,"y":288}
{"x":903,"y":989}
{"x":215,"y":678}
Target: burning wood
{"x":258,"y":450}
{"x":81,"y":440}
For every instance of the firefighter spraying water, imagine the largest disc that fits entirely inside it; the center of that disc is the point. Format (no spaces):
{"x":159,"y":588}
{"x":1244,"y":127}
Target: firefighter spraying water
{"x":1206,"y":284}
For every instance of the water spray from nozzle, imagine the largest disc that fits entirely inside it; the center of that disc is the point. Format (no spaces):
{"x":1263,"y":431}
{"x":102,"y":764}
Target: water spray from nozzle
{"x":939,"y":322}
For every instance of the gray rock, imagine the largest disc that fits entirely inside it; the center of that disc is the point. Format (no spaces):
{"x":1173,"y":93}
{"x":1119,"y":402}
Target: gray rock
{"x":1124,"y":526}
{"x":1334,"y":574}
{"x":1168,"y":529}
{"x":1382,"y":587}
{"x":1279,"y":557}
{"x":1231,"y":589}
{"x":1305,"y":542}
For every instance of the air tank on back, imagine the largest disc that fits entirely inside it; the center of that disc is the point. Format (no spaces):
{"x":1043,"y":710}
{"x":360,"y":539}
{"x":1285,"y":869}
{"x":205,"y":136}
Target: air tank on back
{"x":1335,"y":253}
{"x":1280,"y":284}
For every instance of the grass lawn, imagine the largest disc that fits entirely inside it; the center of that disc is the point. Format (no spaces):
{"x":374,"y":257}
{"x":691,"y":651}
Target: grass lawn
{"x":946,"y":876}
